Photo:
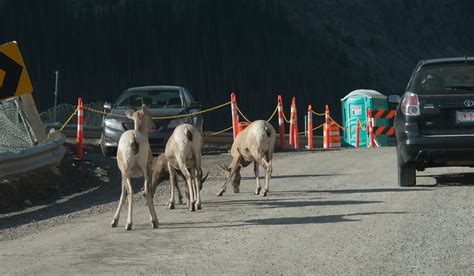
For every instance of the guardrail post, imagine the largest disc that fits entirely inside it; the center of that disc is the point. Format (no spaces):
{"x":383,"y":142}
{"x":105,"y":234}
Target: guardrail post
{"x":357,"y":133}
{"x":80,"y":123}
{"x":235,"y":115}
{"x":281,"y":123}
{"x":310,"y":128}
{"x":327,"y":126}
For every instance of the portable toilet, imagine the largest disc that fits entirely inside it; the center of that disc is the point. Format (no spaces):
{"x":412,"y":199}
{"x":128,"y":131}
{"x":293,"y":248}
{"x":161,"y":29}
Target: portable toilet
{"x":355,"y":106}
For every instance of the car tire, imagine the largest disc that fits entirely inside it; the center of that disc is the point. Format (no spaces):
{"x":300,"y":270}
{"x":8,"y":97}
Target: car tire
{"x":406,"y":174}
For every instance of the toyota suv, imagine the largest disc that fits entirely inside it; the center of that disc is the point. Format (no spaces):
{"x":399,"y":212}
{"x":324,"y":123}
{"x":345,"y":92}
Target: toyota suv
{"x":434,"y":124}
{"x":162,"y":101}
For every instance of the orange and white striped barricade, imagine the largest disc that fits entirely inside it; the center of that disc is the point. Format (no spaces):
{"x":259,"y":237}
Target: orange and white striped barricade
{"x":80,"y":128}
{"x":331,"y":134}
{"x":376,"y":130}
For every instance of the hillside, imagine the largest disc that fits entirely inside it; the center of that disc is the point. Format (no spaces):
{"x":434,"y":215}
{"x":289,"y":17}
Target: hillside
{"x":317,"y":51}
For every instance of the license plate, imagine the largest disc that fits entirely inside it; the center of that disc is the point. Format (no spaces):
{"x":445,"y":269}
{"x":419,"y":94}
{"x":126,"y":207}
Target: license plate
{"x":465,"y":116}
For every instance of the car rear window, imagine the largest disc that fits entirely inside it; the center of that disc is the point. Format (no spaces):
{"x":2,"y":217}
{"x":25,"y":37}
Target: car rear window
{"x":444,"y":79}
{"x":152,"y":98}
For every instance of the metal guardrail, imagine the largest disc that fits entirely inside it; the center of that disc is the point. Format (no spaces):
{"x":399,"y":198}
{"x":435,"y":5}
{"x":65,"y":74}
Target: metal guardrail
{"x":32,"y":158}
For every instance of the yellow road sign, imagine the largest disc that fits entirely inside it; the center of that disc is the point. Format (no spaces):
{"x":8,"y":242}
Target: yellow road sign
{"x":14,"y":80}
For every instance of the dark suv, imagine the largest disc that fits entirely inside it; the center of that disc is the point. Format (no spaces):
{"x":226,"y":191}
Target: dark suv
{"x":434,"y":125}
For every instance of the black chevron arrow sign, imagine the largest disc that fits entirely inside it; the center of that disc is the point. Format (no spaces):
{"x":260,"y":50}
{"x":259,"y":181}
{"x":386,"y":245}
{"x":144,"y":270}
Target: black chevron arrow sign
{"x":12,"y":74}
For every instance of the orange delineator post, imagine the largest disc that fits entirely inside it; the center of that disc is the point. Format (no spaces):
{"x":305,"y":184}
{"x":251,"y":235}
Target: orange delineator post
{"x":371,"y":129}
{"x":310,"y":128}
{"x":296,"y":138}
{"x":80,"y":123}
{"x":281,"y":123}
{"x":357,"y":133}
{"x":327,"y":143}
{"x":235,"y":115}
{"x":292,"y":123}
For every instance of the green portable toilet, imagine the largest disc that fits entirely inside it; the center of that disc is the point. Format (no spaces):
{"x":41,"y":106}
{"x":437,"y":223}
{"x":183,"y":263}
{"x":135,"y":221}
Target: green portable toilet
{"x":355,"y":106}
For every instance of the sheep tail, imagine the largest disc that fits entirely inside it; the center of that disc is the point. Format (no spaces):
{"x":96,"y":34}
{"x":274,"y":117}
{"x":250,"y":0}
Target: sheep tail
{"x":134,"y":145}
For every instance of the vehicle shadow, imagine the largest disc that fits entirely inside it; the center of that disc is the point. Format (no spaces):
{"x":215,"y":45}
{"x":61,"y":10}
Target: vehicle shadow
{"x":355,"y":191}
{"x":452,"y":179}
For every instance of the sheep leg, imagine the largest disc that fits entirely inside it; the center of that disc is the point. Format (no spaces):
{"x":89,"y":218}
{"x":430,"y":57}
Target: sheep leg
{"x":172,"y":185}
{"x":189,"y":182}
{"x":128,"y":186}
{"x":180,"y":196}
{"x":197,"y":178}
{"x":149,"y":199}
{"x":121,"y":202}
{"x":268,"y":172}
{"x":255,"y":170}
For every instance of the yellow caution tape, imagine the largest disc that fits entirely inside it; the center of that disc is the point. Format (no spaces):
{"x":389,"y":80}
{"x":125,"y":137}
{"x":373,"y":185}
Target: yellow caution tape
{"x":301,"y":133}
{"x":243,"y":116}
{"x":335,"y":123}
{"x":163,"y":117}
{"x":218,"y":132}
{"x":284,"y":118}
{"x":69,"y":119}
{"x":273,"y":114}
{"x":318,"y":114}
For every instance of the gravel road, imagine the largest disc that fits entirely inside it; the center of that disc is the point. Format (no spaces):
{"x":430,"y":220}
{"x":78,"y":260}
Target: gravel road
{"x":327,"y":213}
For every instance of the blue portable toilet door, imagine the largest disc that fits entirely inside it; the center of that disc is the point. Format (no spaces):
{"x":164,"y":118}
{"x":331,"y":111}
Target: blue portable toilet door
{"x":356,"y":110}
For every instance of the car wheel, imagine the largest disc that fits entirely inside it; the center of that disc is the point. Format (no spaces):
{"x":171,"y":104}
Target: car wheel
{"x":406,"y":174}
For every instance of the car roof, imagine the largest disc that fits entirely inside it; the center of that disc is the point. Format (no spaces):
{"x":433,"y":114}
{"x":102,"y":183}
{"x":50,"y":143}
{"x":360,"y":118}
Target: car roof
{"x":452,"y":60}
{"x":155,"y":87}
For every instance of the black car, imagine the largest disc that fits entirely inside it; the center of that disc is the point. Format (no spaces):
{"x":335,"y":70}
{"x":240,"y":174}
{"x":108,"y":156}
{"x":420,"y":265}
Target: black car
{"x":162,"y":101}
{"x":434,"y":124}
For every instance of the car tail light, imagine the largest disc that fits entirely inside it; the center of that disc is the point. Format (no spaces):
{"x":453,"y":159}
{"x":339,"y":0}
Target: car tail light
{"x":410,"y":104}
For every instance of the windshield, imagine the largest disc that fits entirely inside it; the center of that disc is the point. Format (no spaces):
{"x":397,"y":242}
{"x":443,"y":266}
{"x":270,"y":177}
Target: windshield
{"x":444,"y":79}
{"x":152,"y":98}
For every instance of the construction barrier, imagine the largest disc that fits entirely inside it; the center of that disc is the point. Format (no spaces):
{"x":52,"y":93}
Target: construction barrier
{"x":331,"y":135}
{"x":330,"y":127}
{"x":375,"y":129}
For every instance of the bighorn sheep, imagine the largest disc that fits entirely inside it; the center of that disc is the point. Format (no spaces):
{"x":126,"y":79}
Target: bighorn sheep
{"x":134,"y":159}
{"x":183,"y":152}
{"x":161,"y":173}
{"x":254,"y":144}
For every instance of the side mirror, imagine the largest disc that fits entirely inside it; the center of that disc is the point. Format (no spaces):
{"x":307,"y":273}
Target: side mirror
{"x":195,"y":105}
{"x":107,"y":106}
{"x":394,"y":99}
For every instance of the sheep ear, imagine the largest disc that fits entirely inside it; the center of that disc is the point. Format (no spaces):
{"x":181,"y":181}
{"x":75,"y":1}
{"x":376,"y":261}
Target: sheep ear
{"x":129,"y":114}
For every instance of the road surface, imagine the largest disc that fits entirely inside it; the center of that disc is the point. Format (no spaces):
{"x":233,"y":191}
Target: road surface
{"x":326,"y":213}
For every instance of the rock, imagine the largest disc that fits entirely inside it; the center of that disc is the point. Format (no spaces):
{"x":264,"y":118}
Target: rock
{"x":28,"y":202}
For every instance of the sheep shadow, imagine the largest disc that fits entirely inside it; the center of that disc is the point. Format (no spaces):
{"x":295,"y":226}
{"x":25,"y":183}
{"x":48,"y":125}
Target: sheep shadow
{"x":289,"y":203}
{"x":338,"y":218}
{"x":73,"y":199}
